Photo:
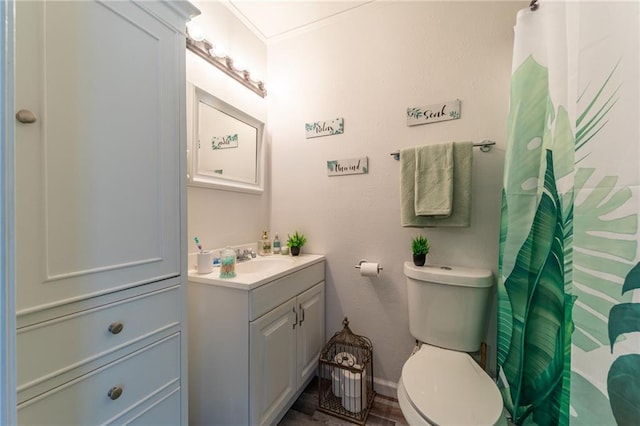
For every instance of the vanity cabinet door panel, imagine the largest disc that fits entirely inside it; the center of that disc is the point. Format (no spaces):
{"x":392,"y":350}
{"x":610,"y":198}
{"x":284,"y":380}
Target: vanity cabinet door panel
{"x":97,"y":175}
{"x":310,"y":331}
{"x":273,"y":362}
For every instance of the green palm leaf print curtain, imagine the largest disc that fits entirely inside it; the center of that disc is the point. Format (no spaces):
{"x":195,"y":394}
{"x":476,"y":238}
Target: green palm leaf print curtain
{"x":569,"y":273}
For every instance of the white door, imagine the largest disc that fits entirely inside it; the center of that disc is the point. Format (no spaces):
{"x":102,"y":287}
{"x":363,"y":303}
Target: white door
{"x":311,"y":331}
{"x":97,"y":200}
{"x":273,"y":362}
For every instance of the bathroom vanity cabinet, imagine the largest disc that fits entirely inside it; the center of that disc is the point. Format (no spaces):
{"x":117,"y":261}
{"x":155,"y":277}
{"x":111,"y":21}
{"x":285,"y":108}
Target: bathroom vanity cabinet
{"x":253,"y":348}
{"x":101,"y":212}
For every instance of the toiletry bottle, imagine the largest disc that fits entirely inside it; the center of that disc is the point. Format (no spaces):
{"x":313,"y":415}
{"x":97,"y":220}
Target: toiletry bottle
{"x":228,"y":263}
{"x":265,"y":244}
{"x":275,"y":247}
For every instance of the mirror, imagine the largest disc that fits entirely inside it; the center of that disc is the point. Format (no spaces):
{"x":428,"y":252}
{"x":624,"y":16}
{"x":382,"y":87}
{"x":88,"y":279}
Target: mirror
{"x":226,"y":147}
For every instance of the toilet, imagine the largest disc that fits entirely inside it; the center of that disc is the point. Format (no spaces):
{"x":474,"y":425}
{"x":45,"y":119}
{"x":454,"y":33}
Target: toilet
{"x":441,"y":384}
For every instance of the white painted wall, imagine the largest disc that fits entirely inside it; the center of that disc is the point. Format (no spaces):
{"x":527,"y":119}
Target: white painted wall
{"x":368,"y":66}
{"x":220,"y":217}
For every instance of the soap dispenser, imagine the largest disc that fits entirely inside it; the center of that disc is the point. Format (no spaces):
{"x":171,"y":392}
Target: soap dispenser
{"x":275,"y":247}
{"x":264,"y":244}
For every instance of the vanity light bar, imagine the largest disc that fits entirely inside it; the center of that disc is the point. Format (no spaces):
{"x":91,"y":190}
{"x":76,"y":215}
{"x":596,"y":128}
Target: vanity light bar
{"x":204,"y":49}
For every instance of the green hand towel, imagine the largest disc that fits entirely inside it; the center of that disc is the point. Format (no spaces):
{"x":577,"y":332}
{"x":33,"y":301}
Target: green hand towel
{"x":461,"y":207}
{"x":434,"y":180}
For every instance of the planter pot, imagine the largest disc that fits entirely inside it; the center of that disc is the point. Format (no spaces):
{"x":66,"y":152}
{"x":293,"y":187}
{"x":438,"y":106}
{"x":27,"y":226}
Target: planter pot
{"x":295,"y":251}
{"x":419,"y":259}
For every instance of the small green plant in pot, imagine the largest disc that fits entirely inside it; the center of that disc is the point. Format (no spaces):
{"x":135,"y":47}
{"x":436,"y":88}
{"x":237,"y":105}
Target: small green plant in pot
{"x":420,"y":248}
{"x":295,"y":242}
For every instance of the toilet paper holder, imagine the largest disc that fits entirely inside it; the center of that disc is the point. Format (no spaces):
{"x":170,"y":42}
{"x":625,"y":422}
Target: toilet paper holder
{"x":365,"y":260}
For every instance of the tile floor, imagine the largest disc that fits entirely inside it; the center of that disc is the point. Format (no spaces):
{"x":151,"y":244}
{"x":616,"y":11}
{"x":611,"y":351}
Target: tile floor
{"x":304,"y":412}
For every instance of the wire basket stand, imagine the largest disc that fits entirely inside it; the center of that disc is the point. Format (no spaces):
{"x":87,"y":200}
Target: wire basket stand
{"x":345,"y":385}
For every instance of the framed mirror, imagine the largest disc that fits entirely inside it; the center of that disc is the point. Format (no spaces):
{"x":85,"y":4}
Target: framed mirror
{"x":227,"y":149}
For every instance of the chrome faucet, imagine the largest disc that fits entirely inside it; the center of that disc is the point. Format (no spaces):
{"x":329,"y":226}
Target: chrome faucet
{"x":244,"y":255}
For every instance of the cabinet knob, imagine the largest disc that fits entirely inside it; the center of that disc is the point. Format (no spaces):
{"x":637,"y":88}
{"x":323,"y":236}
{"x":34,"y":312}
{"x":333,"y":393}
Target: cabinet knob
{"x":25,"y":116}
{"x":116,"y":327}
{"x":114,"y":393}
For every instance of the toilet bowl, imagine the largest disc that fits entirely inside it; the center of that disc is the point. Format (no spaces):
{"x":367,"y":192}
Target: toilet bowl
{"x":443,"y":387}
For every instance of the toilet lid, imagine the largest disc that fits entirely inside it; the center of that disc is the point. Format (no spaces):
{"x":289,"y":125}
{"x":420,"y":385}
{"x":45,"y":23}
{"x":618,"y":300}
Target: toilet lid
{"x":450,"y":388}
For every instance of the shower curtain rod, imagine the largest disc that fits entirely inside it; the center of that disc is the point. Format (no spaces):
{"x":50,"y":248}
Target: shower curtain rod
{"x":485,"y":146}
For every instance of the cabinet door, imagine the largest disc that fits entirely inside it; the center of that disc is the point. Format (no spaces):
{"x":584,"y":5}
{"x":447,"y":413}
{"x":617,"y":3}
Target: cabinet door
{"x":273,"y":362}
{"x":97,"y":175}
{"x":310,"y":331}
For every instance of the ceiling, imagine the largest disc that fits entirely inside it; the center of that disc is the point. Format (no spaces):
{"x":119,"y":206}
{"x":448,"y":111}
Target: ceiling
{"x":271,"y":19}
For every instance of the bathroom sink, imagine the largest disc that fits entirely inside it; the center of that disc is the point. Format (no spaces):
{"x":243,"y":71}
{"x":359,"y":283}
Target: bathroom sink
{"x":264,"y":264}
{"x":253,"y":273}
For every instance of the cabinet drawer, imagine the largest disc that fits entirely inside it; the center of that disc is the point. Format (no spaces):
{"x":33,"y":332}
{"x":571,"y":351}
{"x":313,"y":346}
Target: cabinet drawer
{"x":140,"y":375}
{"x":54,"y":348}
{"x":265,"y":298}
{"x":163,"y":412}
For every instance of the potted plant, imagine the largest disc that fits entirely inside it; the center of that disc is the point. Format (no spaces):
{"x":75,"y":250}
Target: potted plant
{"x":295,"y":242}
{"x":420,"y":248}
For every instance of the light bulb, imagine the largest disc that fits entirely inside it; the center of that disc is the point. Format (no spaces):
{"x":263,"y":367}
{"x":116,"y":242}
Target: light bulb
{"x":195,"y":31}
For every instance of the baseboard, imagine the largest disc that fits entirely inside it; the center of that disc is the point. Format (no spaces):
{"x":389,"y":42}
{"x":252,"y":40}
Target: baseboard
{"x":386,"y":388}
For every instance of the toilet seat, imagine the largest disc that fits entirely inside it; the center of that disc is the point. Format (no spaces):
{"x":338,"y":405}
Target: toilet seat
{"x":448,"y":387}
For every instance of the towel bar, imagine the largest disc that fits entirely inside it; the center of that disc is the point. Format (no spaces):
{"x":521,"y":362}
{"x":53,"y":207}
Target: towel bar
{"x":485,"y":146}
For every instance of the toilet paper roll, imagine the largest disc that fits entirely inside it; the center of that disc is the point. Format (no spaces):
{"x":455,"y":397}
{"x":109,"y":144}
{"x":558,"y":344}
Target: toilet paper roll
{"x":336,"y":382}
{"x":354,"y":390}
{"x":369,"y":269}
{"x":353,"y":382}
{"x":345,"y":358}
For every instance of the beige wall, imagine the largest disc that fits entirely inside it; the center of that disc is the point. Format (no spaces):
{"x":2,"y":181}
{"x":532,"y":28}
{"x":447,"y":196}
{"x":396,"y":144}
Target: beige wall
{"x":220,"y":217}
{"x":368,"y":66}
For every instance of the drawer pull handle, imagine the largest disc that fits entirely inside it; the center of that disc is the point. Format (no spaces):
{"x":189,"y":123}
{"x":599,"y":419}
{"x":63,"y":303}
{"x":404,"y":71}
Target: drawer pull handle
{"x":302,"y":311}
{"x":296,"y":320}
{"x":116,"y":327}
{"x":114,"y":393}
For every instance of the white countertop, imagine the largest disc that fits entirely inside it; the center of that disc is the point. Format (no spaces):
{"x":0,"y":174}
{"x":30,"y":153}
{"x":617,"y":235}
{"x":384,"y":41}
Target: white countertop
{"x":255,"y":278}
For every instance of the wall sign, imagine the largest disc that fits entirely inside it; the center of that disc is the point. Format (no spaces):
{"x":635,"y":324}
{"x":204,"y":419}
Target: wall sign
{"x":325,"y":128}
{"x":433,"y":113}
{"x":352,"y":166}
{"x":229,"y":141}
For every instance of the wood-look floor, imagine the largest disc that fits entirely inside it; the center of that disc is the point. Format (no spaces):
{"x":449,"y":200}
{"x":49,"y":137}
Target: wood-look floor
{"x":385,"y":412}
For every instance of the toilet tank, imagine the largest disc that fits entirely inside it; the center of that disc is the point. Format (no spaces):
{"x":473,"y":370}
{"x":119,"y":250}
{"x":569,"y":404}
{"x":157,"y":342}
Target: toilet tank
{"x":448,"y":305}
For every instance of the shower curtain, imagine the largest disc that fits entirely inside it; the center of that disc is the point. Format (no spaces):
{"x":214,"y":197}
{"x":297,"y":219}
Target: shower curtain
{"x":569,"y":273}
